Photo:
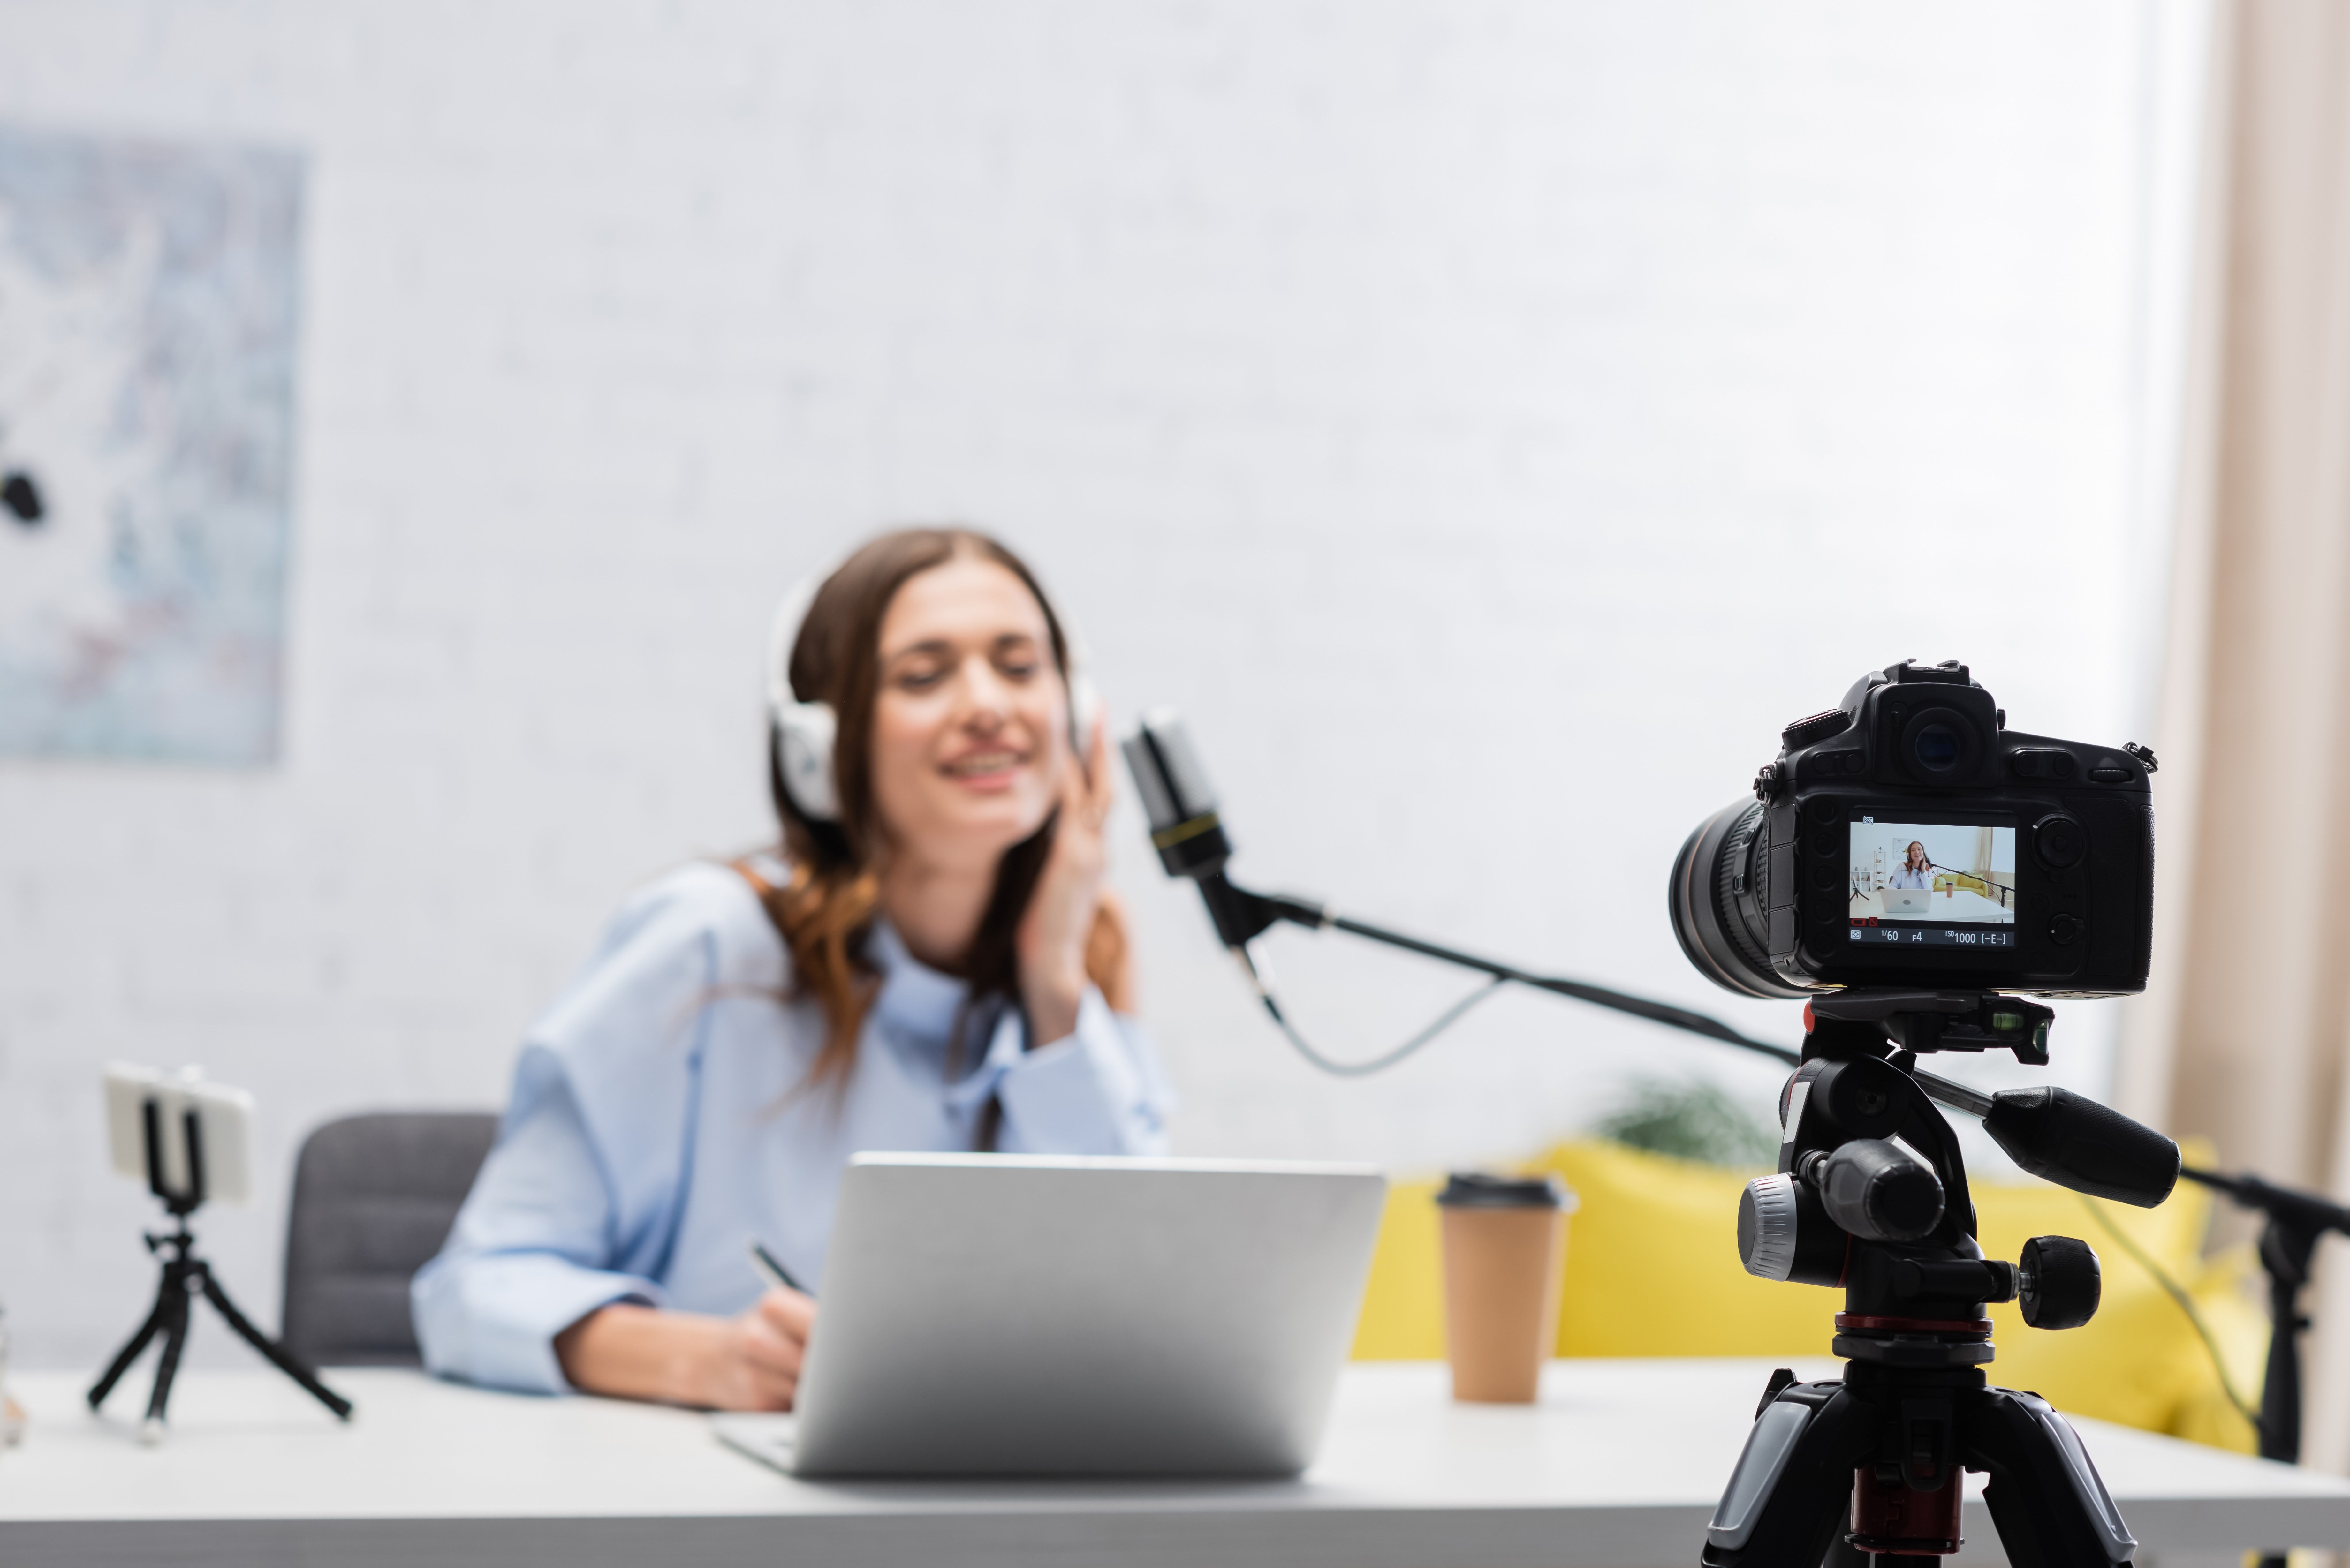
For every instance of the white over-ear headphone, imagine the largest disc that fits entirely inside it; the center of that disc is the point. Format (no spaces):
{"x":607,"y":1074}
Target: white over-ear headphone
{"x":805,"y":731}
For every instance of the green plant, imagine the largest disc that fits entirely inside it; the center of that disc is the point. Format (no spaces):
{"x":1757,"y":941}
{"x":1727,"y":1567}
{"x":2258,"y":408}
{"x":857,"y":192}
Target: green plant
{"x":1690,"y":1119}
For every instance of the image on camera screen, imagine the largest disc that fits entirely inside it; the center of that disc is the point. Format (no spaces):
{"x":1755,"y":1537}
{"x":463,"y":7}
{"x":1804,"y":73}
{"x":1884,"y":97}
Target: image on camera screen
{"x":1928,"y":884}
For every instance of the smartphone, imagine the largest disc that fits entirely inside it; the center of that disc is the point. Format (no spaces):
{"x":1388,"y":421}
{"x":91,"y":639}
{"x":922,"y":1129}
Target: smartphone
{"x":223,"y":1125}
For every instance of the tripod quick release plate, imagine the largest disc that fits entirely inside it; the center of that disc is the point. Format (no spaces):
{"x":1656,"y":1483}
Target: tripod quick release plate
{"x":1924,"y":1021}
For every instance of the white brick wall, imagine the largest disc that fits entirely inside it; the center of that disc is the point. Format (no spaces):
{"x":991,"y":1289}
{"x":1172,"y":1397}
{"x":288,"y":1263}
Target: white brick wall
{"x":1487,"y":421}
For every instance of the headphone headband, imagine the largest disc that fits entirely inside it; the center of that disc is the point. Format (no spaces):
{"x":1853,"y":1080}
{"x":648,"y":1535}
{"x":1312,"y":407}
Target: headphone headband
{"x":805,"y":731}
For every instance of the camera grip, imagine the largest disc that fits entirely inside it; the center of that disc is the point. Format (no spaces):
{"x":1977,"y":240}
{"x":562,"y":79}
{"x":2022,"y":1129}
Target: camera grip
{"x":2074,"y":1142}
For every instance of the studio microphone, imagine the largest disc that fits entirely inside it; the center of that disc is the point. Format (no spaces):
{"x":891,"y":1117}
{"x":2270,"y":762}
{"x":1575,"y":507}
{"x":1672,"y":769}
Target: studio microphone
{"x":1188,"y":834}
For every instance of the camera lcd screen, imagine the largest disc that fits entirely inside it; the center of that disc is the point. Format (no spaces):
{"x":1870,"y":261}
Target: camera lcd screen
{"x":1932,"y":884}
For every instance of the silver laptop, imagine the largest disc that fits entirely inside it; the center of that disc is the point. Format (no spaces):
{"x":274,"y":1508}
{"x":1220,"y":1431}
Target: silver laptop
{"x":1042,"y":1316}
{"x":1909,"y":901}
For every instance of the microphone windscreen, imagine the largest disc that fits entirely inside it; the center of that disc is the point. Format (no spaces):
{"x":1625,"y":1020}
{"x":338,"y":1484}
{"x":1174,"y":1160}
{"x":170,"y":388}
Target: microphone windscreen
{"x":1167,"y":772}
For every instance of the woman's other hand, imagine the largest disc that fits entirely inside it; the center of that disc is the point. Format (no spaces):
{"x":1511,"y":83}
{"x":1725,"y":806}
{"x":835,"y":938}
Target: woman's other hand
{"x":1060,"y":918}
{"x":748,"y":1361}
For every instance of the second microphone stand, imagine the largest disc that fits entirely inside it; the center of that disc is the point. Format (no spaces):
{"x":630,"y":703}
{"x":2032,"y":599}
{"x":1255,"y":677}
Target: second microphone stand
{"x":2295,"y":1224}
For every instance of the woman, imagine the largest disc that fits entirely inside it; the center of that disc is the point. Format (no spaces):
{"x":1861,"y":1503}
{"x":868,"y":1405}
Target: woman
{"x":932,"y":963}
{"x":1916,"y":869}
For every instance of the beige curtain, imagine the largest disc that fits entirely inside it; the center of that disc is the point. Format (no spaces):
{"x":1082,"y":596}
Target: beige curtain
{"x":2244,"y":1034}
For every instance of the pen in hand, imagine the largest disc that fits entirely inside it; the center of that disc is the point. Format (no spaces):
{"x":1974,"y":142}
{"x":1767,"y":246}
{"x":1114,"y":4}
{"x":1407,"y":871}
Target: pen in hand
{"x":771,"y":1269}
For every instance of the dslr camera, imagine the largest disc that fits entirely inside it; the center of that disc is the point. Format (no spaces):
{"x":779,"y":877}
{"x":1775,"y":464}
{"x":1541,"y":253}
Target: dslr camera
{"x":1907,"y":864}
{"x":1907,"y":838}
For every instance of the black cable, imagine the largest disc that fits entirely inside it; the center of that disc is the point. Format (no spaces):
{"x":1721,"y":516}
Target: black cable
{"x":1444,"y":1020}
{"x":2186,"y":1303}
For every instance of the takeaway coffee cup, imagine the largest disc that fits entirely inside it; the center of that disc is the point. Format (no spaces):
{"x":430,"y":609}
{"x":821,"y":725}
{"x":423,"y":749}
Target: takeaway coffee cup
{"x":1504,"y":1238}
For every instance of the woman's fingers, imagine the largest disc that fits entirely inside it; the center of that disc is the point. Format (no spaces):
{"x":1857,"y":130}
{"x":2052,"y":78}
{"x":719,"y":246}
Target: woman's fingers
{"x":1101,"y":784}
{"x":757,"y":1388}
{"x":771,"y":1352}
{"x":770,"y":1343}
{"x":792,"y":1313}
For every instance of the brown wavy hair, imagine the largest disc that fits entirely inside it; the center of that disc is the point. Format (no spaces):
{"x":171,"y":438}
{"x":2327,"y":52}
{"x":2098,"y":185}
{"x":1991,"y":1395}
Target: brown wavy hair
{"x":825,"y":908}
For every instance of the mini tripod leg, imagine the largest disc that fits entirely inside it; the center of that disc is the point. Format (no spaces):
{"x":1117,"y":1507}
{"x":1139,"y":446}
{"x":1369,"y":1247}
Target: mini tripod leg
{"x":277,"y":1353}
{"x":1788,"y":1500}
{"x":167,"y":1366}
{"x":130,"y":1351}
{"x":2051,"y":1507}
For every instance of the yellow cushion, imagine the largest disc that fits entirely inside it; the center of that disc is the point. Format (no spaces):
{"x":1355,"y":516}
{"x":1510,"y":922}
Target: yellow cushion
{"x":1652,"y":1268}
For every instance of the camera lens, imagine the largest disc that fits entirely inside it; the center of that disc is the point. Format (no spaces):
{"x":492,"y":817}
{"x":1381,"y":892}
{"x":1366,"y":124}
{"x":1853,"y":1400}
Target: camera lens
{"x":1938,"y":747}
{"x":1721,"y":901}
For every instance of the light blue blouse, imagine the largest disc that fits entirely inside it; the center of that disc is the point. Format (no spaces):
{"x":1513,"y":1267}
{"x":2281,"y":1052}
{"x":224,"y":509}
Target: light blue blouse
{"x":662,"y":1118}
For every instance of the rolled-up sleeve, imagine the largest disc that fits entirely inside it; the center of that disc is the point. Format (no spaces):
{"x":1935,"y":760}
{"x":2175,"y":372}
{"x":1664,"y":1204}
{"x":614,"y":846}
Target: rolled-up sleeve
{"x":1098,"y":1090}
{"x":525,"y":1260}
{"x":577,"y":1205}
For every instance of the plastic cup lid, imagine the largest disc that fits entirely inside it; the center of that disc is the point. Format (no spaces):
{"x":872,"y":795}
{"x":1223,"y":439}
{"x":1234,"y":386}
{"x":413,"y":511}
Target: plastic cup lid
{"x":1482,"y":1190}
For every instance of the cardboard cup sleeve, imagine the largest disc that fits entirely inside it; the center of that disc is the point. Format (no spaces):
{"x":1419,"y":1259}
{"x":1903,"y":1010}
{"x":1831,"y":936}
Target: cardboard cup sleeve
{"x":1504,"y":1240}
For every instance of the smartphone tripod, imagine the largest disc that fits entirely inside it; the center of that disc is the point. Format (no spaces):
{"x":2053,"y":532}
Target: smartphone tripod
{"x":1873,"y":1464}
{"x":185,"y":1273}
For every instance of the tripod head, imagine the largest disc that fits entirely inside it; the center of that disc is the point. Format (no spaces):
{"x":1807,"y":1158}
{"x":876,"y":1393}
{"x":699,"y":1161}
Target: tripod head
{"x":1871,"y":1191}
{"x":1871,"y":1195}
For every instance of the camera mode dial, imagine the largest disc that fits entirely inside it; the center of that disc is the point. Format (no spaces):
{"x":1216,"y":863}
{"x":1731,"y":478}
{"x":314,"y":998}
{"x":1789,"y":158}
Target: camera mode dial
{"x":1810,"y":731}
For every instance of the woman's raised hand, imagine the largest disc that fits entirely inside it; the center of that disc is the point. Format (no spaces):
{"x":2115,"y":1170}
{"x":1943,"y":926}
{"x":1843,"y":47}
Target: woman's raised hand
{"x":1060,"y":918}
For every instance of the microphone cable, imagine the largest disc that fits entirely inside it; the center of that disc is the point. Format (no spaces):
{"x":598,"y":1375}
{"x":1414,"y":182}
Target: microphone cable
{"x":1254,"y":965}
{"x":1386,"y":1059}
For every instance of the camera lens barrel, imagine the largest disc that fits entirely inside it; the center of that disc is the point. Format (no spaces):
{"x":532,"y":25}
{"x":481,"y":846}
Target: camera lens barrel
{"x":1720,"y":898}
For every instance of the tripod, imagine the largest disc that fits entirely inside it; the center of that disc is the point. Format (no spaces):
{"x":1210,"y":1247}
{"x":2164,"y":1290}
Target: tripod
{"x":1872,"y":1464}
{"x":184,"y":1272}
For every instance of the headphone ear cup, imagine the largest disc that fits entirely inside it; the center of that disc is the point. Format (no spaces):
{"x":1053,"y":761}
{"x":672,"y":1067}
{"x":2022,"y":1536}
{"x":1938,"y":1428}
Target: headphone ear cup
{"x":804,"y":737}
{"x":1085,"y":711}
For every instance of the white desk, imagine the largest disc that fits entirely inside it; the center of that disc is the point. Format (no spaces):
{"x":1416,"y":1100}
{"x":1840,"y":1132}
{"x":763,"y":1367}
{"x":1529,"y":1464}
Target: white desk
{"x":1616,"y":1468}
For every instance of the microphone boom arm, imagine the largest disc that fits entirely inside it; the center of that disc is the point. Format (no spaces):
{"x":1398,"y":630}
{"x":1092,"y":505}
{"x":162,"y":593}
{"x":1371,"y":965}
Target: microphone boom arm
{"x":1256,"y":913}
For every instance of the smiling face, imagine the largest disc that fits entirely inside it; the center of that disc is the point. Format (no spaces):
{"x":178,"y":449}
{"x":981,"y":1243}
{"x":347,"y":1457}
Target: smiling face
{"x":970,"y":719}
{"x":1917,"y":856}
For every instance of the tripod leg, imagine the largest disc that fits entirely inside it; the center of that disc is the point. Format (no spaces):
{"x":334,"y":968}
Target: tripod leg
{"x":167,"y":1366}
{"x":1786,"y":1501}
{"x":2050,"y":1504}
{"x":277,"y":1354}
{"x":129,"y":1352}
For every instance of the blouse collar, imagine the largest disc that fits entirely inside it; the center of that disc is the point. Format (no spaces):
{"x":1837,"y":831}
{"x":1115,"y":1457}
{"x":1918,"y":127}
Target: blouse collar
{"x":915,"y":999}
{"x":922,"y":1007}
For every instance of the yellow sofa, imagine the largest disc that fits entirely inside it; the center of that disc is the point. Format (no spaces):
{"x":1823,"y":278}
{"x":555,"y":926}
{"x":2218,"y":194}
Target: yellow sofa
{"x":1652,"y":1268}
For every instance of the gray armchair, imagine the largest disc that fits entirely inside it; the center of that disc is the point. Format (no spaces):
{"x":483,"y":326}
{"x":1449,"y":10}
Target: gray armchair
{"x":374,"y":1197}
